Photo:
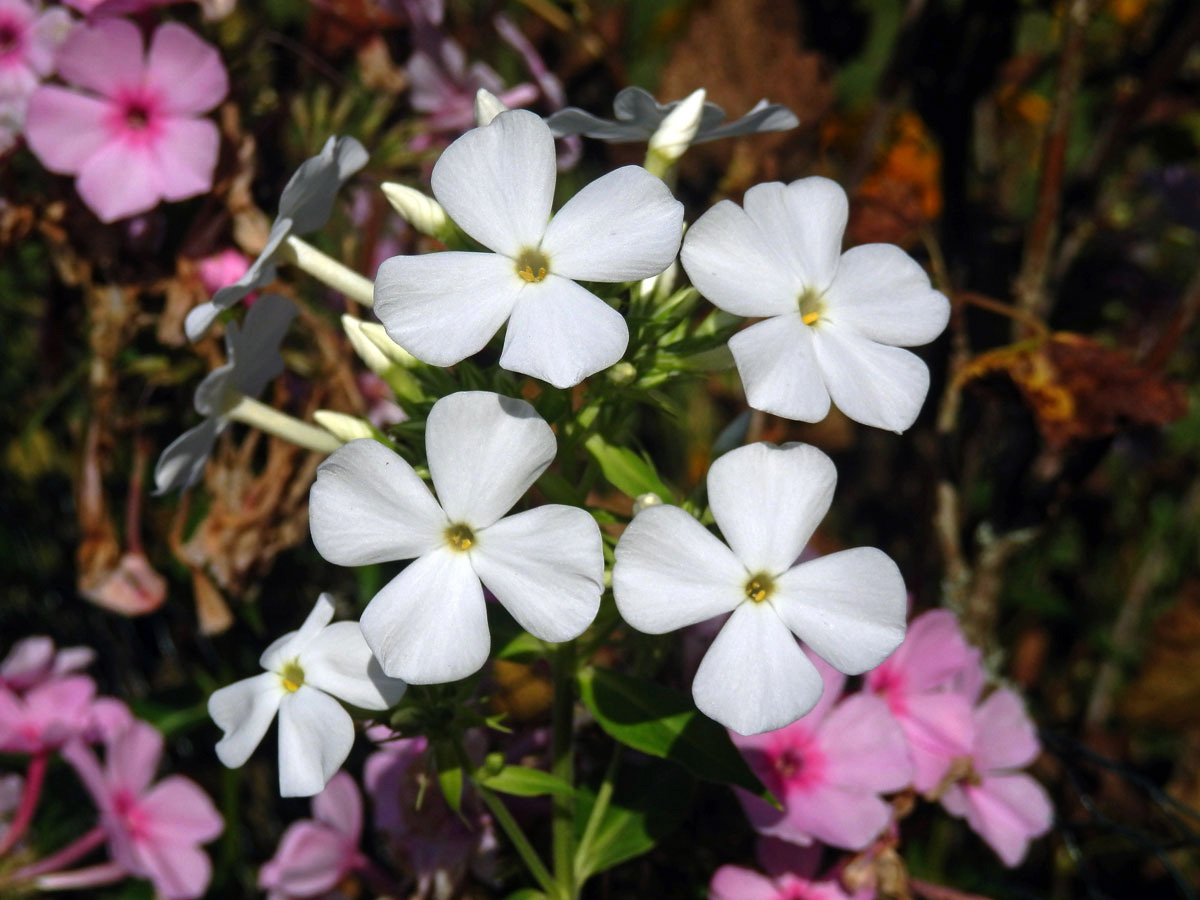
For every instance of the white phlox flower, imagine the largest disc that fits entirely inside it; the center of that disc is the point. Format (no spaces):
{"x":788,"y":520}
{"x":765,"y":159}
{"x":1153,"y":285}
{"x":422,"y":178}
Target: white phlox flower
{"x":305,"y":671}
{"x":497,"y":184}
{"x":833,"y":323}
{"x":428,"y":624}
{"x":254,"y":360}
{"x":304,"y":206}
{"x":848,"y":607}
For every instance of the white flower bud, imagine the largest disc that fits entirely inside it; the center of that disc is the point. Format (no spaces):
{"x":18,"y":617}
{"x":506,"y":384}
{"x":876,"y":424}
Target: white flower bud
{"x":675,"y":133}
{"x":420,"y":211}
{"x":645,"y":501}
{"x":343,"y":427}
{"x":374,"y":358}
{"x":487,"y":107}
{"x":378,"y":336}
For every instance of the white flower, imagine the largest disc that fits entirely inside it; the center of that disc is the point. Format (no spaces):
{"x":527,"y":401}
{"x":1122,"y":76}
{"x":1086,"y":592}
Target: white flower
{"x":848,"y":607}
{"x":429,"y":624}
{"x":306,"y":670}
{"x":254,"y":360}
{"x":497,"y":183}
{"x":304,"y":206}
{"x":833,"y":322}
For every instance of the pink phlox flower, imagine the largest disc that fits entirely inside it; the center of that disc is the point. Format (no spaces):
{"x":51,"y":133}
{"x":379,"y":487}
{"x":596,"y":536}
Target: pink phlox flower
{"x":422,"y":832}
{"x":154,"y":830}
{"x":828,"y":769}
{"x":1005,"y":807}
{"x":222,"y":269}
{"x":107,"y":718}
{"x":34,"y":660}
{"x":918,"y":682}
{"x":46,"y":716}
{"x":212,"y":9}
{"x":316,"y":855}
{"x":130,"y":133}
{"x":29,"y":40}
{"x":736,"y":883}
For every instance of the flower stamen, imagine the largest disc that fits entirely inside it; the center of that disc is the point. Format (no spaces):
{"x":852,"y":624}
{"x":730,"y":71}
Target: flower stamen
{"x":292,"y":677}
{"x":760,"y":587}
{"x":532,"y":266}
{"x":460,"y":537}
{"x":811,"y":306}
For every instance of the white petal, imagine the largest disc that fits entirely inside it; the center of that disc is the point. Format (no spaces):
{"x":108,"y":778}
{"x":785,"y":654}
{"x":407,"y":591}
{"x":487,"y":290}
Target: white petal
{"x":287,"y":648}
{"x":623,"y":227}
{"x":883,"y":293}
{"x":315,"y":737}
{"x":803,"y":225}
{"x":671,"y":572}
{"x":182,"y":463}
{"x":254,"y":348}
{"x":871,"y":383}
{"x":778,"y":366}
{"x":368,"y":505}
{"x":769,"y":500}
{"x":444,"y":307}
{"x":497,"y":182}
{"x":484,"y":452}
{"x":244,"y":710}
{"x":340,"y":663}
{"x":755,"y":677}
{"x":848,"y":607}
{"x":429,"y":625}
{"x":729,"y":261}
{"x":546,"y":566}
{"x":562,"y":333}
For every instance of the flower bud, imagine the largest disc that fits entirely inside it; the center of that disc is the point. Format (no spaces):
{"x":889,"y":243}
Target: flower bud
{"x":378,"y":336}
{"x":622,"y":373}
{"x":374,"y":358}
{"x":675,"y":133}
{"x":487,"y":107}
{"x":421,"y":212}
{"x":645,"y":501}
{"x":343,"y":427}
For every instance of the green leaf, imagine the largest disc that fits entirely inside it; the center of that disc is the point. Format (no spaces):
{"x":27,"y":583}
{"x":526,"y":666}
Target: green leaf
{"x":627,"y":471}
{"x":526,"y":894}
{"x":665,"y":723}
{"x":649,"y":802}
{"x":449,"y":774}
{"x":522,"y":781}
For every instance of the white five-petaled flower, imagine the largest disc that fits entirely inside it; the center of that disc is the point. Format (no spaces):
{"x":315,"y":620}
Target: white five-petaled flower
{"x":497,"y":184}
{"x":429,"y":624}
{"x":848,"y":607}
{"x":306,"y":670}
{"x":833,"y":323}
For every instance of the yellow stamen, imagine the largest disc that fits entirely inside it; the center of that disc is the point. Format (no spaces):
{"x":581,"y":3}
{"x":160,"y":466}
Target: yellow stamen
{"x":760,"y":587}
{"x":809,"y":318}
{"x":532,"y":266}
{"x":812,"y":306}
{"x":460,"y":537}
{"x":292,"y":676}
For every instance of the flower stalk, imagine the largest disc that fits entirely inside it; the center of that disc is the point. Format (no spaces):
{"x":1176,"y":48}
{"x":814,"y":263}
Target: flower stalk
{"x":328,"y":271}
{"x":562,"y":765}
{"x":249,"y":411}
{"x":32,"y":792}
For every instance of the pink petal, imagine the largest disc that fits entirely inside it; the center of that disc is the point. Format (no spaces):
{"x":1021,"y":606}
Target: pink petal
{"x":27,"y":663}
{"x":340,"y":806}
{"x":840,"y":818}
{"x":65,"y":128}
{"x":177,"y":871}
{"x":310,"y":861}
{"x":736,"y":883}
{"x":864,"y":747}
{"x":939,"y":728}
{"x":1004,"y":734}
{"x":185,"y":151}
{"x":1007,"y":811}
{"x":186,"y":72}
{"x":133,"y":757}
{"x":934,"y":651}
{"x":50,"y":29}
{"x":119,"y":180}
{"x":109,"y":717}
{"x":177,"y":811}
{"x":105,"y":57}
{"x":59,"y":710}
{"x":87,"y":767}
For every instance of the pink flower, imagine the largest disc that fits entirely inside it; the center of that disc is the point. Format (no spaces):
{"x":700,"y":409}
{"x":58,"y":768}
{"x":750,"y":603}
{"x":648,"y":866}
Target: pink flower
{"x":316,"y":854}
{"x":1004,"y":807}
{"x":917,"y":681}
{"x":828,"y":769}
{"x":33,"y":660}
{"x":222,"y":269}
{"x":131,"y":135}
{"x":28,"y":41}
{"x":154,"y":832}
{"x":736,"y":883}
{"x":46,"y":716}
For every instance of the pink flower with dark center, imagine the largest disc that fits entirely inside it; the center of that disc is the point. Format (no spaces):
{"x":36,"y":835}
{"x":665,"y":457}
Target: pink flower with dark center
{"x":28,"y":41}
{"x":1005,"y":807}
{"x":46,"y":716}
{"x":131,"y":134}
{"x":828,"y":769}
{"x":316,"y":854}
{"x":918,"y":682}
{"x":154,"y":831}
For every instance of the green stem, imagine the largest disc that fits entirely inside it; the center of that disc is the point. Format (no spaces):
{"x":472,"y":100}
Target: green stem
{"x":599,"y":810}
{"x":562,"y":764}
{"x":524,"y":849}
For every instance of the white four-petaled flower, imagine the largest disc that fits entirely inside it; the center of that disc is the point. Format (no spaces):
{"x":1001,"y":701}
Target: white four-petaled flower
{"x":429,"y":624}
{"x":497,"y":184}
{"x":848,"y":607}
{"x":306,"y":669}
{"x":833,"y":323}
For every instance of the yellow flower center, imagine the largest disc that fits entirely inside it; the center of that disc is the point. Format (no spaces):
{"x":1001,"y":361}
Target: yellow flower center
{"x":292,"y":677}
{"x":812,"y":306}
{"x":460,"y":537}
{"x":532,"y":266}
{"x":759,"y":587}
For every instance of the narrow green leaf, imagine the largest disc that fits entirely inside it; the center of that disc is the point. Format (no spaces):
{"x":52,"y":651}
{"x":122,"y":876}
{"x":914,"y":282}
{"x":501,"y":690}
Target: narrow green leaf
{"x":522,"y":781}
{"x":665,"y":723}
{"x":627,"y":471}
